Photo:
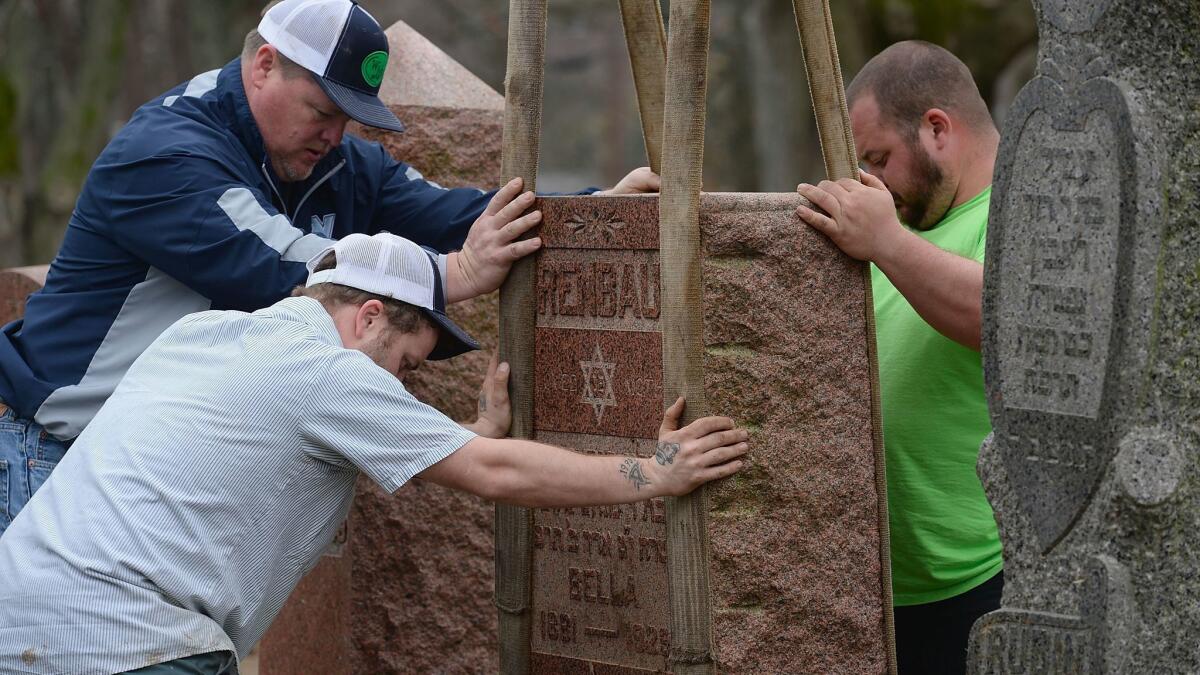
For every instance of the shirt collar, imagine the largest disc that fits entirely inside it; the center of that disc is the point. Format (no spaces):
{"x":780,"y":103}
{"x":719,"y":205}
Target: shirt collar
{"x":308,"y":311}
{"x":232,"y":95}
{"x":967,"y":205}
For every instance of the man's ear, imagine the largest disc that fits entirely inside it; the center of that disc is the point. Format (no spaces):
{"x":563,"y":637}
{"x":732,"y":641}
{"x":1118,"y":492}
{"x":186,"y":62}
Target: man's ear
{"x":371,"y":316}
{"x":264,"y":62}
{"x":939,"y":125}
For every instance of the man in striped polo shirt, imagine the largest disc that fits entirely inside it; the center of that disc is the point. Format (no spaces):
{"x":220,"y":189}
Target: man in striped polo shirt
{"x":225,"y":461}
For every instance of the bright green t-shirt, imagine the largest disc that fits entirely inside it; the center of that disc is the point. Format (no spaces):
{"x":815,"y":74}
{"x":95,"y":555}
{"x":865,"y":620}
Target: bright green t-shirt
{"x":944,"y":539}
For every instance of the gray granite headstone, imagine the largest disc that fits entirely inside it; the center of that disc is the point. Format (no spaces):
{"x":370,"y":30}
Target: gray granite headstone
{"x":1092,"y":347}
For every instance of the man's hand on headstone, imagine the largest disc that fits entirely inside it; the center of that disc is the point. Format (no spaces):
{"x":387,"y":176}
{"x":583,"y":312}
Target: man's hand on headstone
{"x":638,"y":181}
{"x":495,"y":411}
{"x":860,"y":218}
{"x":705,"y":450}
{"x":493,"y":244}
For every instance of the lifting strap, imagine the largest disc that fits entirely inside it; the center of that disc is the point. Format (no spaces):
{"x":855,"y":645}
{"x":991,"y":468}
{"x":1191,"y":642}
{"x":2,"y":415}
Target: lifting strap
{"x":647,"y":42}
{"x":682,"y":323}
{"x":522,"y":130}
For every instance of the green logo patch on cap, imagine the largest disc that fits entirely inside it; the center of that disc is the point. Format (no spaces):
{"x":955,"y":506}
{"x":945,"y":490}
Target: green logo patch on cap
{"x":373,"y":67}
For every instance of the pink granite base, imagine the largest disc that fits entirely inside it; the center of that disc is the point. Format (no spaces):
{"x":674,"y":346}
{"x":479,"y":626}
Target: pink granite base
{"x":795,"y":542}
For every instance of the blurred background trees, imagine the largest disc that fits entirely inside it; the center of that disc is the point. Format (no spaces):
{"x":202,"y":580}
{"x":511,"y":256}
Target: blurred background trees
{"x":74,"y":70}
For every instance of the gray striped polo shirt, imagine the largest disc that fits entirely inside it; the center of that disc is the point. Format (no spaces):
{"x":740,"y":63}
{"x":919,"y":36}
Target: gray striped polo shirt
{"x":206,"y":486}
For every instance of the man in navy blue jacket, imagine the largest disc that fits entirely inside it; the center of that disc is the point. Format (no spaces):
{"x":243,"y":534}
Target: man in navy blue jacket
{"x":214,"y":196}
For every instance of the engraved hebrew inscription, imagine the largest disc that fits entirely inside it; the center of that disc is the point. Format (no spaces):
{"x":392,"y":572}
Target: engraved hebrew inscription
{"x":1062,"y":215}
{"x":1035,"y":648}
{"x":599,"y":573}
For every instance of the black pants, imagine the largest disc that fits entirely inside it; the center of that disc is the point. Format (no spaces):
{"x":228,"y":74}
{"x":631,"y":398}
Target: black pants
{"x":931,"y":639}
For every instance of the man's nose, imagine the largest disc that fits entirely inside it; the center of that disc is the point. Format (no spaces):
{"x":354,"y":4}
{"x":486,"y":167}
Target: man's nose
{"x":333,"y":133}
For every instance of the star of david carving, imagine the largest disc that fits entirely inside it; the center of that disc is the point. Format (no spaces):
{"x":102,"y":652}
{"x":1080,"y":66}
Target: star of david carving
{"x":599,"y":402}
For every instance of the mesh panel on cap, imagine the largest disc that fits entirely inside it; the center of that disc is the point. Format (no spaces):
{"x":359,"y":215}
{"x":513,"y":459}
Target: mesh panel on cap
{"x":389,"y":255}
{"x":387,"y":265}
{"x":316,"y":23}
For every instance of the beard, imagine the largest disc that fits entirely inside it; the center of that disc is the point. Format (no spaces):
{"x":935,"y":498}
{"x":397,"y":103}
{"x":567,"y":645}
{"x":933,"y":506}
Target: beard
{"x":291,"y":171}
{"x":377,"y":349}
{"x":927,"y":200}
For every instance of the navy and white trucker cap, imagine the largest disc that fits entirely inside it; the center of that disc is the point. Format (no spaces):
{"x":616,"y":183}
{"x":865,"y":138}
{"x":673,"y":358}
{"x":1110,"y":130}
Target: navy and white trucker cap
{"x":397,"y":268}
{"x":342,"y":46}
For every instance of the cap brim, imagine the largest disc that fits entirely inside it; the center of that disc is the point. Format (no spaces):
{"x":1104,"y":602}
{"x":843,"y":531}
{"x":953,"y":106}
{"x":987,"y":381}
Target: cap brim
{"x":452,"y":340}
{"x":360,"y":106}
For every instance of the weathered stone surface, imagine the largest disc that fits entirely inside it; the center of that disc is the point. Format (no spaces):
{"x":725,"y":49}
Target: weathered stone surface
{"x":313,"y":634}
{"x":795,"y":543}
{"x":454,"y":148}
{"x":420,"y":74}
{"x":1090,"y":345}
{"x":423,"y":571}
{"x":453,"y":120}
{"x":795,"y":538}
{"x":15,"y":285}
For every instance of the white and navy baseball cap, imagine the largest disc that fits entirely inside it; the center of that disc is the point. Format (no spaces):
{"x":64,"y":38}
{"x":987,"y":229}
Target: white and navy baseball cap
{"x":342,"y":46}
{"x":397,"y":268}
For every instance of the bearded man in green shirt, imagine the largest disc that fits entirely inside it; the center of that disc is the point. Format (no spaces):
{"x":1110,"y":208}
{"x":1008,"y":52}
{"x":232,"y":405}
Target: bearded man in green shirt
{"x":926,"y":138}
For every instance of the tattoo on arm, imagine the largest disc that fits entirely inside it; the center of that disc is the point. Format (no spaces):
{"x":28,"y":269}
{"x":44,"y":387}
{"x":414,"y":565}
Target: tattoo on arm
{"x":665,"y":452}
{"x":483,"y":401}
{"x":632,"y":469}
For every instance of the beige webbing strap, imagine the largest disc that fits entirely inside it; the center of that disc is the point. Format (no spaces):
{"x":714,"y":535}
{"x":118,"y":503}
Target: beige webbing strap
{"x":647,"y":42}
{"x":683,"y":322}
{"x":815,"y":25}
{"x":522,"y":130}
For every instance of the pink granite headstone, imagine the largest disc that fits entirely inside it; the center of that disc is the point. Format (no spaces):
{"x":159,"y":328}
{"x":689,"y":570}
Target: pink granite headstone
{"x":794,"y":541}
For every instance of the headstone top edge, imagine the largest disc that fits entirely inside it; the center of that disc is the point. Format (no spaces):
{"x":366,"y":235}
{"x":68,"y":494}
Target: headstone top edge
{"x":421,"y":74}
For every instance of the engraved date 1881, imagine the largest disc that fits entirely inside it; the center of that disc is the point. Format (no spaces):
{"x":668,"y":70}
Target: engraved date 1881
{"x":632,"y":469}
{"x":665,"y":452}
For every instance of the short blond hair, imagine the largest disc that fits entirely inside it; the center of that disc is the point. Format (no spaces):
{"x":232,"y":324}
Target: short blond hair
{"x":254,"y":41}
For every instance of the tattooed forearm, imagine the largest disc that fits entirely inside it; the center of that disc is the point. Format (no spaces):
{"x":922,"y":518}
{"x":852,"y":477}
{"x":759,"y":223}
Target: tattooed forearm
{"x":482,"y":401}
{"x":665,"y":453}
{"x":632,"y":469}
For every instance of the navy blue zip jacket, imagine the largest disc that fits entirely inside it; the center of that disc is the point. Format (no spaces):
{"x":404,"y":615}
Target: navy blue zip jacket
{"x":181,"y":213}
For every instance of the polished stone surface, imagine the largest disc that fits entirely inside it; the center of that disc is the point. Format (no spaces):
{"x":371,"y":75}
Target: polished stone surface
{"x":598,"y":575}
{"x":598,"y":382}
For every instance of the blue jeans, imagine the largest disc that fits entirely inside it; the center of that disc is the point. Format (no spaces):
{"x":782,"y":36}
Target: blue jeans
{"x":210,"y":663}
{"x":27,"y":456}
